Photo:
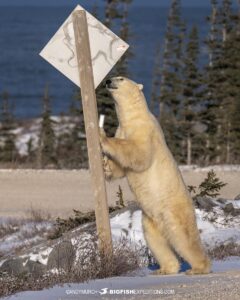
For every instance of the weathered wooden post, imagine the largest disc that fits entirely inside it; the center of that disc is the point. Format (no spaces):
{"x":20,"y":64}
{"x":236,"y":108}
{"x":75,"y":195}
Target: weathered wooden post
{"x":85,"y":51}
{"x":91,"y":126}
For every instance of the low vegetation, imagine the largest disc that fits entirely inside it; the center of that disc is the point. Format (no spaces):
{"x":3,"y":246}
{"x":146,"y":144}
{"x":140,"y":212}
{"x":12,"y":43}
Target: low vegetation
{"x":125,"y":258}
{"x":21,"y":233}
{"x":38,"y":215}
{"x":62,"y":225}
{"x":209,"y":187}
{"x":222,"y":251}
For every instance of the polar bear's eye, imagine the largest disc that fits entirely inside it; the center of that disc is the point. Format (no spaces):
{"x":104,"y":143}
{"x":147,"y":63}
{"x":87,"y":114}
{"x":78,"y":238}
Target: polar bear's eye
{"x":121,"y":79}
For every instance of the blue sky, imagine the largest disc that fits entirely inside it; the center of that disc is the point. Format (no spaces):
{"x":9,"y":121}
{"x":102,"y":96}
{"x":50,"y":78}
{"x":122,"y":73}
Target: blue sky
{"x":85,"y":2}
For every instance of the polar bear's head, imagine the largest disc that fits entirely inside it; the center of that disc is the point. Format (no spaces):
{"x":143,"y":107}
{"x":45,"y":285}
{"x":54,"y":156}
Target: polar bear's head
{"x":122,"y":89}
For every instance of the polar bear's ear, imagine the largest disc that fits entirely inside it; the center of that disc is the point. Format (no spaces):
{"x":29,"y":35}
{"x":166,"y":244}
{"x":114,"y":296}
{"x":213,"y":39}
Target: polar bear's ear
{"x":140,"y":86}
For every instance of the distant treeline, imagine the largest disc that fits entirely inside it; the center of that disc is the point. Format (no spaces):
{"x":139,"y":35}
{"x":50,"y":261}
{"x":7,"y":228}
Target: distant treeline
{"x":198,"y":106}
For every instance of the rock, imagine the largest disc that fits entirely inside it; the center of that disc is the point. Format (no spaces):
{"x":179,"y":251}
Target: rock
{"x":62,"y":256}
{"x":237,"y":197}
{"x":236,"y":212}
{"x":229,"y":208}
{"x":221,"y":200}
{"x":205,"y":203}
{"x":14,"y":266}
{"x":36,"y":268}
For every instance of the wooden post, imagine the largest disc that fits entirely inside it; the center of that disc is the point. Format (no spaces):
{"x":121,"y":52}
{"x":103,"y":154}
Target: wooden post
{"x":92,"y":130}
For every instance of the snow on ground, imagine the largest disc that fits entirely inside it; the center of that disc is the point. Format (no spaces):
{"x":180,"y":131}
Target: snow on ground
{"x":215,"y":227}
{"x":128,"y":225}
{"x":21,"y":234}
{"x":29,"y":132}
{"x":41,"y":257}
{"x":96,"y":289}
{"x":222,"y":230}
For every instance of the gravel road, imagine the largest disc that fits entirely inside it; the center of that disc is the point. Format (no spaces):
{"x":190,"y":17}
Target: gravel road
{"x":58,"y":192}
{"x":222,"y":284}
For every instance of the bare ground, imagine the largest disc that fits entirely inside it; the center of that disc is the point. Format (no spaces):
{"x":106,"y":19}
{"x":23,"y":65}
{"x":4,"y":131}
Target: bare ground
{"x":215,"y":286}
{"x":58,"y":192}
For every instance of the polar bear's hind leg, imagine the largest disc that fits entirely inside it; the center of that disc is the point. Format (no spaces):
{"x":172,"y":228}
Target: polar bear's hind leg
{"x":186,"y":242}
{"x":160,"y":247}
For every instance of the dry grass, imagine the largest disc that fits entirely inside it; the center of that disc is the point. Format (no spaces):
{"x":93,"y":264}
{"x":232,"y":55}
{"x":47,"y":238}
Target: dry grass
{"x":90,"y":264}
{"x":79,"y":218}
{"x":1,"y":254}
{"x":222,"y":251}
{"x":10,"y":226}
{"x":126,"y":257}
{"x":10,"y":284}
{"x":24,"y":232}
{"x":6,"y":229}
{"x":38,"y":215}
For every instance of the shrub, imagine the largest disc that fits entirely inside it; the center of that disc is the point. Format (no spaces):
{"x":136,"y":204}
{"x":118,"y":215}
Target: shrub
{"x":126,"y":257}
{"x":225,"y":250}
{"x":210,"y":186}
{"x":79,"y":218}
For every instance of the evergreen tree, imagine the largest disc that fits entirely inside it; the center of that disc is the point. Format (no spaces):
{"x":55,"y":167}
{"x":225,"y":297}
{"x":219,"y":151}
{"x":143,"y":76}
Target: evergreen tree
{"x":229,"y":95}
{"x":72,"y":146}
{"x":106,"y":107}
{"x":121,"y":67}
{"x":111,"y":12}
{"x":116,"y":15}
{"x":191,"y":97}
{"x":156,"y":79}
{"x":171,"y":93}
{"x":8,"y":151}
{"x":223,"y":84}
{"x":47,"y":140}
{"x":213,"y":109}
{"x":94,"y":11}
{"x":226,"y":18}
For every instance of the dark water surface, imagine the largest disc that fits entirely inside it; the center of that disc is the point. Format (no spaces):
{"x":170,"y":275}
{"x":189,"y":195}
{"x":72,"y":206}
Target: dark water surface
{"x":25,"y":31}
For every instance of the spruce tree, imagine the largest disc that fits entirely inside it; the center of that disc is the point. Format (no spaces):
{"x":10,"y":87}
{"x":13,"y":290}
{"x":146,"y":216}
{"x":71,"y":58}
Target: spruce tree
{"x":8,"y":150}
{"x":223,"y":84}
{"x":213,"y":110}
{"x":121,"y":67}
{"x":171,"y":93}
{"x":106,"y":107}
{"x":156,"y":80}
{"x":47,"y":140}
{"x":226,"y":18}
{"x":116,"y":13}
{"x":229,"y":94}
{"x":111,"y":12}
{"x":94,"y":11}
{"x":72,"y":145}
{"x":192,"y":92}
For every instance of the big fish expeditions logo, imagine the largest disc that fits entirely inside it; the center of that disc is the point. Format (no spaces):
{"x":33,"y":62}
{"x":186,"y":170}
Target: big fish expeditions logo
{"x":103,"y":291}
{"x":108,"y":291}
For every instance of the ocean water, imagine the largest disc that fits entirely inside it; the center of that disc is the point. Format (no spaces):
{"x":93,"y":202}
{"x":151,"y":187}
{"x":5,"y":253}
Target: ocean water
{"x":25,"y":31}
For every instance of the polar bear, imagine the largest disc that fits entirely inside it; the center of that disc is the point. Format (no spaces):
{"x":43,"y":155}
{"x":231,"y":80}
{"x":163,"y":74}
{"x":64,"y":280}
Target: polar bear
{"x":139,"y":152}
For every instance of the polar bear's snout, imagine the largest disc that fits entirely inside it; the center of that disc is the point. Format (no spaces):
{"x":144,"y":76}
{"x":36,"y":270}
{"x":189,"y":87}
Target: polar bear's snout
{"x":110,"y":85}
{"x":113,"y":83}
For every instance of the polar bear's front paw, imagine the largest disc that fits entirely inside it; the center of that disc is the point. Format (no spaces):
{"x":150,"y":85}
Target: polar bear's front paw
{"x":107,"y":168}
{"x":104,"y":142}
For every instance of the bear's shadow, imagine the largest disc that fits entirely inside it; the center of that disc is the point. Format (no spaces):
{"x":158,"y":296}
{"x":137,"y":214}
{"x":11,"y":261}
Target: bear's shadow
{"x":183,"y":267}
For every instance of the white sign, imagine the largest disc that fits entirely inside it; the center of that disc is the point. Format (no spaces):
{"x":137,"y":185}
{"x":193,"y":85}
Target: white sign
{"x":106,"y":49}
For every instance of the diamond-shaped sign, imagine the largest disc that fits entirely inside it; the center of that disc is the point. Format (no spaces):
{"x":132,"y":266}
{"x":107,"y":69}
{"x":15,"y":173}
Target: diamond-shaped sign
{"x":106,"y":49}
